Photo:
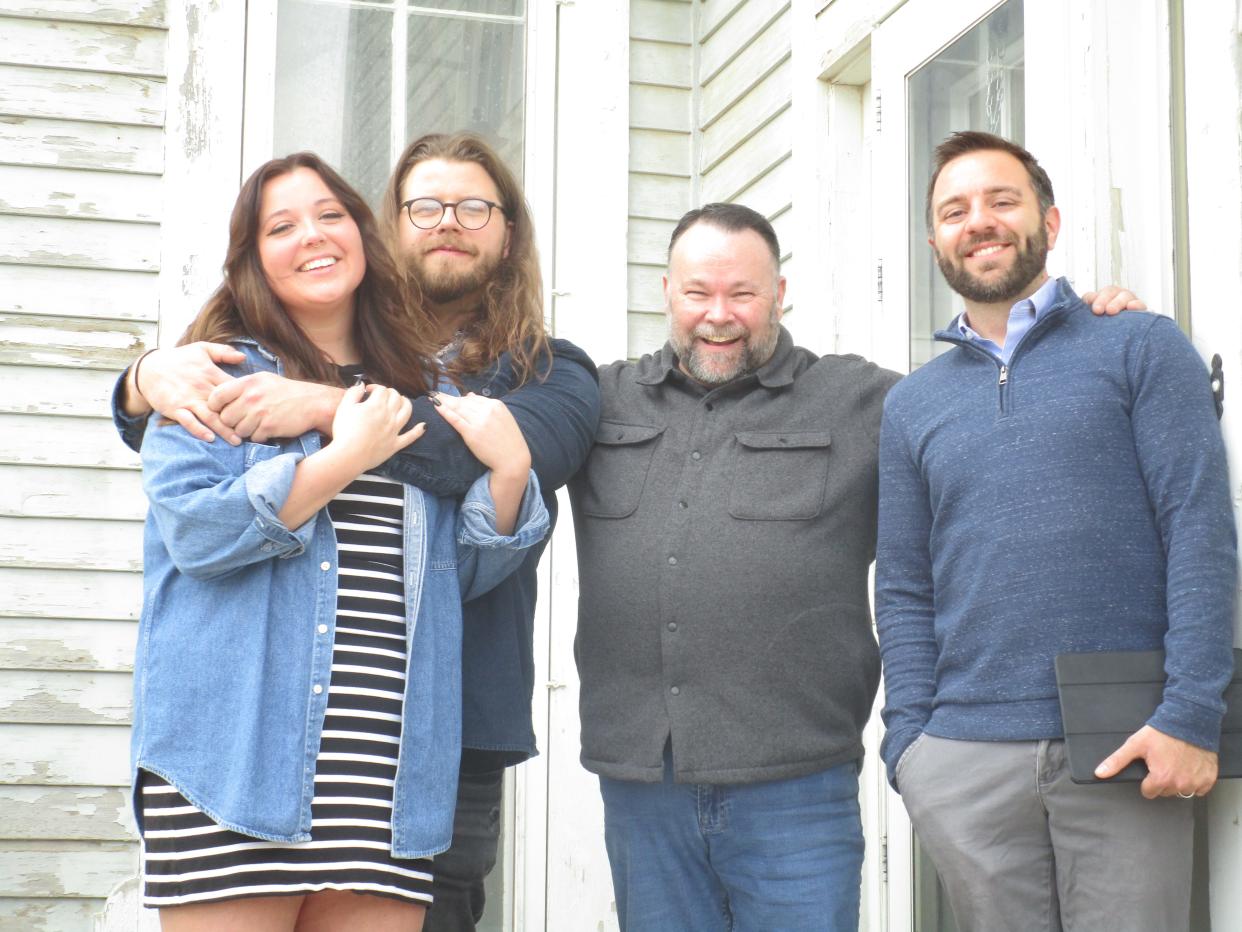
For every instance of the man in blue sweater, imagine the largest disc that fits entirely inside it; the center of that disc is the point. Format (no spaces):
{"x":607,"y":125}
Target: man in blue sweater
{"x":1055,"y":483}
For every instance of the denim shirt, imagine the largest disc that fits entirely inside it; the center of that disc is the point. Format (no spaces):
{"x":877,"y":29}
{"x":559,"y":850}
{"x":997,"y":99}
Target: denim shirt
{"x":558,"y":412}
{"x":239,"y":612}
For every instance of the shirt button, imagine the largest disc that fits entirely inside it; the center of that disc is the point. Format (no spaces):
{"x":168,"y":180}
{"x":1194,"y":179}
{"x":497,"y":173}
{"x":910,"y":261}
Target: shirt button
{"x":672,"y":626}
{"x":676,"y":690}
{"x":323,"y":629}
{"x":696,"y":455}
{"x":683,"y":504}
{"x":672,"y":561}
{"x":325,"y":566}
{"x":269,"y":546}
{"x":317,"y":689}
{"x":486,"y":390}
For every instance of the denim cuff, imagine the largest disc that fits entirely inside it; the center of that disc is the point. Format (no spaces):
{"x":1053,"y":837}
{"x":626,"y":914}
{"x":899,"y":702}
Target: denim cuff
{"x":267,"y":486}
{"x":478,"y":517}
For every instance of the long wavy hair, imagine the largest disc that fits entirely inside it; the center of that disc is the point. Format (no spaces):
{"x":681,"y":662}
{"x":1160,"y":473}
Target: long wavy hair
{"x":391,"y":330}
{"x":511,"y":319}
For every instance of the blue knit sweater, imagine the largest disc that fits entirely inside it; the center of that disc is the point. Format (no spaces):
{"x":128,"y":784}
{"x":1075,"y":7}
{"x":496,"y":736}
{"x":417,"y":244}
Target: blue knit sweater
{"x":1075,"y":500}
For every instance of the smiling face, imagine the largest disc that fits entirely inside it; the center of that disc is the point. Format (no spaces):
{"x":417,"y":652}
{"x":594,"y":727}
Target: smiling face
{"x":309,"y":246}
{"x":451,"y":263}
{"x":989,"y":238}
{"x":724,"y":294}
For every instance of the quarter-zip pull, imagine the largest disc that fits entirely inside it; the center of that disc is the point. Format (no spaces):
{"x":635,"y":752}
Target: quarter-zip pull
{"x":1004,"y":375}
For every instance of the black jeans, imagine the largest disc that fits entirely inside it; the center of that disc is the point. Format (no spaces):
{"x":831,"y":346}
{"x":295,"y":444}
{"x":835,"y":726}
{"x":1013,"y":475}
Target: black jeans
{"x":460,"y":871}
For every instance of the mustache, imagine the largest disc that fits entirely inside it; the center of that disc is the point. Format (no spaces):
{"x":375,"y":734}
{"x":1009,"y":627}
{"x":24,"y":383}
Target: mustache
{"x":451,"y":243}
{"x":977,"y":241}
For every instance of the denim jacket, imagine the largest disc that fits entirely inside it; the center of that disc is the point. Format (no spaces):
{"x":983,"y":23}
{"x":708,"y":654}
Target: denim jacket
{"x":235,"y":644}
{"x":557,"y":412}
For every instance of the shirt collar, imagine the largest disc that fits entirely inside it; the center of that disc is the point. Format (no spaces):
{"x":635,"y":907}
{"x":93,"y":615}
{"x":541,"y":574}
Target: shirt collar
{"x":1034,"y":307}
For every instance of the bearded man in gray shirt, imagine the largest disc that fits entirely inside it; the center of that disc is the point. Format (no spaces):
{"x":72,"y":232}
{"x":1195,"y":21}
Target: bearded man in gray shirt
{"x":725,"y":523}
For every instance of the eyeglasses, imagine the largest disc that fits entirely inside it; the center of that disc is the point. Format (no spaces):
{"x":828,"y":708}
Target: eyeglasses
{"x":426,"y":213}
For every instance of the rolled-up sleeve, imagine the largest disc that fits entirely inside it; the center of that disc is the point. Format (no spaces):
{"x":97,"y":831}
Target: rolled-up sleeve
{"x":485,"y":556}
{"x":215,"y":506}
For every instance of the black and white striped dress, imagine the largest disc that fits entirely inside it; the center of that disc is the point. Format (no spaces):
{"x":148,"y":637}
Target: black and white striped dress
{"x":188,"y":858}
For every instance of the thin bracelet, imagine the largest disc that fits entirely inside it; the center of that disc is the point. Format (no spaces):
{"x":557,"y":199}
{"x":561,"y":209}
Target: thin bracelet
{"x":137,"y":366}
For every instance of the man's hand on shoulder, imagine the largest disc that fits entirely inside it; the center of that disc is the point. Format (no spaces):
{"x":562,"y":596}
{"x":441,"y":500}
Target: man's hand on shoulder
{"x":264,"y":405}
{"x":1112,"y":300}
{"x":1175,"y":767}
{"x":176,"y":382}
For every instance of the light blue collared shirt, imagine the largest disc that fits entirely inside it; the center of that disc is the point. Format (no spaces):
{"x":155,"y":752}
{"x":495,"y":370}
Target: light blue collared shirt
{"x":1022,"y":317}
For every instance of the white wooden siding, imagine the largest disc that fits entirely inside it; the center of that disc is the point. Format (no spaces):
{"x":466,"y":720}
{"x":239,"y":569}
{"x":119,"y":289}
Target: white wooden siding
{"x":82,"y":100}
{"x":745,"y":88}
{"x":661,"y":163}
{"x":710,"y":92}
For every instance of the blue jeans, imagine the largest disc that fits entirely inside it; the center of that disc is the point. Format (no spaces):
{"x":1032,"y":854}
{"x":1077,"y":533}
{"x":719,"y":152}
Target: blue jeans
{"x":780,"y":856}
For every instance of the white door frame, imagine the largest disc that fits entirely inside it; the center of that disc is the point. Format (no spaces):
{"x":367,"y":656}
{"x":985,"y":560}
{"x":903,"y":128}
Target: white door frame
{"x":901,"y":44}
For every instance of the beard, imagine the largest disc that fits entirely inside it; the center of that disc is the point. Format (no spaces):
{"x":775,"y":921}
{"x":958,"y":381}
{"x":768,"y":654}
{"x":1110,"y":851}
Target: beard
{"x":1028,"y":262}
{"x":442,"y":285}
{"x":754,"y":349}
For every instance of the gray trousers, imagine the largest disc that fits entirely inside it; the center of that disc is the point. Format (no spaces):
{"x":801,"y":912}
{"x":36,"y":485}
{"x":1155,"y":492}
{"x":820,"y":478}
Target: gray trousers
{"x":1020,"y":847}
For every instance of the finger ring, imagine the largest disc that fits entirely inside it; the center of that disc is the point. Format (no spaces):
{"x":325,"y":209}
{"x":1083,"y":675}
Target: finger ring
{"x":1186,"y":795}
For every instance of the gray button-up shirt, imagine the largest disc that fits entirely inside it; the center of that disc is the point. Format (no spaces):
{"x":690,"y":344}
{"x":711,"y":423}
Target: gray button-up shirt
{"x":724,"y":536}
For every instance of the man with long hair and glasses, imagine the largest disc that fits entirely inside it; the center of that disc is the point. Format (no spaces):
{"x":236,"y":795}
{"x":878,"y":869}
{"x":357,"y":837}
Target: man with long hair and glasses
{"x":457,"y":218}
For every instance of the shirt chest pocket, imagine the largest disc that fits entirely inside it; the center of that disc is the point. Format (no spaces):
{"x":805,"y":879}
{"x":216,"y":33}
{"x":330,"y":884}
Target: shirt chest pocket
{"x":616,"y":471}
{"x":780,"y":475}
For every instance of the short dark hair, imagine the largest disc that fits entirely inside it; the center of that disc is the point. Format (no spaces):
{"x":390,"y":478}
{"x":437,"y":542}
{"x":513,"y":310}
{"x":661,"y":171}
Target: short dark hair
{"x":730,"y":217}
{"x":962,"y":143}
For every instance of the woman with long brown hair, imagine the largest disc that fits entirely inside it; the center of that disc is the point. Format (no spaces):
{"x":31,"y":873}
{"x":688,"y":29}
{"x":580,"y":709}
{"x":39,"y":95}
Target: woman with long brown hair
{"x":297,"y":680}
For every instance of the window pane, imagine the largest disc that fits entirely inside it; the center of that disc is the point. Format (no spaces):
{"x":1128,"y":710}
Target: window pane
{"x":495,"y":7}
{"x":463,"y":67}
{"x":333,"y":87}
{"x":468,"y":74}
{"x":976,"y":83}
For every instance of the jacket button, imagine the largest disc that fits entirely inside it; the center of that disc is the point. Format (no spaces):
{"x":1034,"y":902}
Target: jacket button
{"x":672,"y":626}
{"x":672,"y":561}
{"x":676,"y":690}
{"x":696,"y":455}
{"x":486,"y":390}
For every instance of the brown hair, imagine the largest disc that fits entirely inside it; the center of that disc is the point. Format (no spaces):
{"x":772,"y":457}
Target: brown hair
{"x":512,"y":314}
{"x":391,"y":333}
{"x":967,"y":141}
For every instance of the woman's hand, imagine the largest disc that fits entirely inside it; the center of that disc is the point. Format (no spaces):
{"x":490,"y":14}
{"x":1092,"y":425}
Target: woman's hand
{"x":489,"y":430}
{"x":493,"y":436}
{"x":366,"y":430}
{"x":368,"y":425}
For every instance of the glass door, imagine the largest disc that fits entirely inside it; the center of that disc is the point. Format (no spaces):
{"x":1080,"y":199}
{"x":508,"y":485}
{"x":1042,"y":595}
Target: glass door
{"x":938,"y":66}
{"x":356,"y":80}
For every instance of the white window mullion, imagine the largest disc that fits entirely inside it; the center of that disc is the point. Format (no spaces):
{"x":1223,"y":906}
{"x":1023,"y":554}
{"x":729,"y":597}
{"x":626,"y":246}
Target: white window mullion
{"x":400,"y":39}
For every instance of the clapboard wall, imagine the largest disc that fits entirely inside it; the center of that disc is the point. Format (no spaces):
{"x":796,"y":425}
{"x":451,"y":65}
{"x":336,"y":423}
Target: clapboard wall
{"x":82,"y":97}
{"x":710,"y":90}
